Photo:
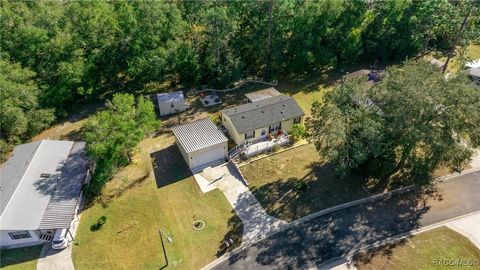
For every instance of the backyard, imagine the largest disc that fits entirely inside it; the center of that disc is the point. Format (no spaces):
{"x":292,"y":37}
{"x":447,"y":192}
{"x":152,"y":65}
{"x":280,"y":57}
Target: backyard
{"x":136,"y":207}
{"x":421,"y":251}
{"x":274,"y":181}
{"x":20,"y":258}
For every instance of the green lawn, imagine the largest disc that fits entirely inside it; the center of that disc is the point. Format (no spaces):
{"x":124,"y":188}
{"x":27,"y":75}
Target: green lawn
{"x":20,"y":258}
{"x":272,"y":180}
{"x":130,"y":240}
{"x":420,"y":251}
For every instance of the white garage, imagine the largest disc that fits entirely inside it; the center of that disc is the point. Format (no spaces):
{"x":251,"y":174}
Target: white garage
{"x":200,"y":143}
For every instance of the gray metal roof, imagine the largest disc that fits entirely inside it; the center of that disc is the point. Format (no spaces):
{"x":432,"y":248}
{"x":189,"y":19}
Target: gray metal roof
{"x":45,"y":202}
{"x":170,"y":97}
{"x":252,"y":116}
{"x":11,"y":172}
{"x":198,"y":135}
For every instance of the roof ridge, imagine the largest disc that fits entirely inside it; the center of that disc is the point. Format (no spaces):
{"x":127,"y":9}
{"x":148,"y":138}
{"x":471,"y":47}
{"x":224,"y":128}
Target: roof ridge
{"x":279,"y":97}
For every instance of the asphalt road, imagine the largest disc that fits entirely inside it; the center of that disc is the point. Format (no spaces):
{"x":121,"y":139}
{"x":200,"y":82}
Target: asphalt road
{"x":326,"y":237}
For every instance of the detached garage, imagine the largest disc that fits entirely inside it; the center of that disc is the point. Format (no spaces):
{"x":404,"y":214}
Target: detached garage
{"x":200,"y":143}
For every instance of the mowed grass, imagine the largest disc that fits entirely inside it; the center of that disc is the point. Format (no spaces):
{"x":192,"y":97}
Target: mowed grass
{"x":130,"y":239}
{"x":273,"y":179}
{"x":420,"y":251}
{"x":20,"y":258}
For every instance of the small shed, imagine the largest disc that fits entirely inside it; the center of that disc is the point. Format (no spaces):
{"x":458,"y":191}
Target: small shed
{"x":262,"y":94}
{"x":170,"y":103}
{"x":200,"y":142}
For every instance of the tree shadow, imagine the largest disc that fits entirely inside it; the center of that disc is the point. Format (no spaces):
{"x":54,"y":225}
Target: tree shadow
{"x":233,"y":238}
{"x":66,"y":182}
{"x":336,"y":234}
{"x":323,"y":189}
{"x":169,"y":166}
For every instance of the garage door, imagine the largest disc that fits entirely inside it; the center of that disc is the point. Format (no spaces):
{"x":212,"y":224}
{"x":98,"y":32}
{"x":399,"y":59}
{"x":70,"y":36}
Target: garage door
{"x":207,"y":157}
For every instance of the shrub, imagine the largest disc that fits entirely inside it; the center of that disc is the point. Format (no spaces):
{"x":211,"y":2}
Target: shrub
{"x":300,"y":186}
{"x":99,"y":224}
{"x":298,"y":131}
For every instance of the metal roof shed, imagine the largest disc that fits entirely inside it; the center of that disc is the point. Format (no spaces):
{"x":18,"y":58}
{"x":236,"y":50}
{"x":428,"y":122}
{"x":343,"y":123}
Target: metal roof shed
{"x":200,"y":143}
{"x":170,"y":103}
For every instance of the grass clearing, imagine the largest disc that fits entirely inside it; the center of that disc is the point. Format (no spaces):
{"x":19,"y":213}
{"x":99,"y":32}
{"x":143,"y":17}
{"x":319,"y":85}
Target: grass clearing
{"x":420,"y":251}
{"x":130,"y":240}
{"x":272,"y":180}
{"x":20,"y":258}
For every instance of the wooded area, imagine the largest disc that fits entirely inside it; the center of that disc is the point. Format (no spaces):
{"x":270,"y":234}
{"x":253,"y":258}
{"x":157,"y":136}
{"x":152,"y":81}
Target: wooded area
{"x":64,"y":53}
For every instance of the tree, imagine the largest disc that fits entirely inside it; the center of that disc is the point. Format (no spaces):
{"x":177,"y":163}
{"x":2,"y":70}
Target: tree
{"x":347,"y":129}
{"x":20,"y":113}
{"x":410,"y":124}
{"x":112,"y":134}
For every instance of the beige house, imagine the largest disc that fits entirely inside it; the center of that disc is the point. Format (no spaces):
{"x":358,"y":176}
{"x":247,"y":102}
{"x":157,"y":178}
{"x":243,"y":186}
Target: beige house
{"x":260,"y":119}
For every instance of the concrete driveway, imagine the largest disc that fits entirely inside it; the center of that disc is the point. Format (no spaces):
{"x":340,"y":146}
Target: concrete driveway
{"x":256,"y":222}
{"x":310,"y":244}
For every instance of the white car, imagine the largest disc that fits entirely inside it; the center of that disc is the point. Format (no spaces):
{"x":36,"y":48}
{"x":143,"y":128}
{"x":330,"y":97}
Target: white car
{"x":61,"y":239}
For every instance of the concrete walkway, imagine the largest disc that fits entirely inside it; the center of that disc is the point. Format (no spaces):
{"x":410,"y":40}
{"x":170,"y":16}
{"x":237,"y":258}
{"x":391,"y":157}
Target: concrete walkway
{"x":469,"y":227}
{"x":256,"y":222}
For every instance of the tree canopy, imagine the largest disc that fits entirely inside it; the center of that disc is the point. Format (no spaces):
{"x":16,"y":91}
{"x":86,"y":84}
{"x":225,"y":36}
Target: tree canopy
{"x":409,"y":124}
{"x":83,"y":50}
{"x":112,"y":134}
{"x":20,"y":113}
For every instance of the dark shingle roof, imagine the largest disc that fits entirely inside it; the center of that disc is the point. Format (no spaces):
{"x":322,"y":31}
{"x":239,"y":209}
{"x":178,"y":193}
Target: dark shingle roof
{"x":252,"y":116}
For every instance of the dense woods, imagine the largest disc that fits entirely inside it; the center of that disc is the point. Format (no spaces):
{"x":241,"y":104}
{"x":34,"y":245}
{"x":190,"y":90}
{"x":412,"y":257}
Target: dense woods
{"x":72,"y":52}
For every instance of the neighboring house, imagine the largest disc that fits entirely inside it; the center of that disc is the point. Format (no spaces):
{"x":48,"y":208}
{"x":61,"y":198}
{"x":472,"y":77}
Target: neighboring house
{"x":257,"y":120}
{"x":200,"y":143}
{"x":40,"y":187}
{"x":170,"y":103}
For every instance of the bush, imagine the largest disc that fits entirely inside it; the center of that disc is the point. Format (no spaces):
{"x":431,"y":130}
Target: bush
{"x":298,"y":131}
{"x":300,"y":186}
{"x":99,"y":224}
{"x":215,"y":118}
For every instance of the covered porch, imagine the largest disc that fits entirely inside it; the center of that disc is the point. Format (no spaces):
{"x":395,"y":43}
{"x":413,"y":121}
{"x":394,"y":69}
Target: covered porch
{"x":260,"y":146}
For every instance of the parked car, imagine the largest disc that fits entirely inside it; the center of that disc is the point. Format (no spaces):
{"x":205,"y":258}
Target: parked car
{"x":61,"y":239}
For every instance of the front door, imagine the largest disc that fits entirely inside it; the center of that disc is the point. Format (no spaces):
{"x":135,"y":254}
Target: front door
{"x":274,"y":127}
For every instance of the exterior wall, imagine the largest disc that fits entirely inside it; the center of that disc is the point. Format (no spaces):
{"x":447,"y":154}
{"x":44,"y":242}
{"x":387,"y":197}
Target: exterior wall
{"x":166,"y":109}
{"x":189,"y":158}
{"x":182,"y":151}
{"x":239,"y":138}
{"x":7,"y":242}
{"x":227,"y":123}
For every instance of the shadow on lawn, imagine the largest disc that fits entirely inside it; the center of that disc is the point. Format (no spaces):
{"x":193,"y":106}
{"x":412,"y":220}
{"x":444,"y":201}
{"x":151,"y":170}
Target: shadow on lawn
{"x":233,"y":238}
{"x":281,"y":199}
{"x":335,"y":235}
{"x":169,"y":166}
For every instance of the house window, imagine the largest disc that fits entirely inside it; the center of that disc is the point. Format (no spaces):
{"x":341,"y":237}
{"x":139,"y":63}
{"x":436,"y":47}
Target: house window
{"x":249,"y":135}
{"x":172,"y":105}
{"x":19,"y":235}
{"x":297,"y":120}
{"x":275,"y":127}
{"x":263,"y":132}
